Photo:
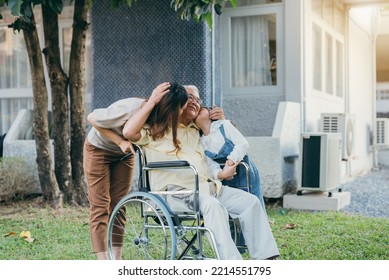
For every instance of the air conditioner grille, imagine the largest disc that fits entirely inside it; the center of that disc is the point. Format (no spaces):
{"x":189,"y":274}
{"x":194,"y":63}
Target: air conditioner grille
{"x":381,"y":132}
{"x":340,"y":123}
{"x":330,"y":124}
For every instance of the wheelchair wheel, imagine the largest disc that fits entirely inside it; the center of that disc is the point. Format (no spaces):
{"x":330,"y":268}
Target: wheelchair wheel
{"x":142,"y":229}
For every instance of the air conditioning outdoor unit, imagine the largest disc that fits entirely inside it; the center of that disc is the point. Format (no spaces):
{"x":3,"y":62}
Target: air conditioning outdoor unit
{"x":320,"y":157}
{"x":382,"y":135}
{"x":340,"y":123}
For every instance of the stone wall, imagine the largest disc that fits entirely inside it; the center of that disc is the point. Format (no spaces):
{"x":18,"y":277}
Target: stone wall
{"x":277,"y":156}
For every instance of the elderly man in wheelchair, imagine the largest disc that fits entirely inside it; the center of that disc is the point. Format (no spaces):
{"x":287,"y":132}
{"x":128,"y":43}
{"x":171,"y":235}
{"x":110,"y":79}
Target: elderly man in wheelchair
{"x":179,"y":200}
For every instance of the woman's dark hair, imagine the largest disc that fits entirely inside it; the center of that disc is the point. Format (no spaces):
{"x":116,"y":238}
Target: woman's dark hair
{"x":165,"y":114}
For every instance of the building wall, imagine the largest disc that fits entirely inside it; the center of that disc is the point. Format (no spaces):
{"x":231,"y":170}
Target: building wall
{"x":137,"y":48}
{"x":358,"y":99}
{"x":253,"y":115}
{"x":361,"y":94}
{"x":294,"y":51}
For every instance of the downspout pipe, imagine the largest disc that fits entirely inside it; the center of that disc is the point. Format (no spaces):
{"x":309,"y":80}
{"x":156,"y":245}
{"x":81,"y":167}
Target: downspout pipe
{"x":347,"y":75}
{"x":375,"y":31}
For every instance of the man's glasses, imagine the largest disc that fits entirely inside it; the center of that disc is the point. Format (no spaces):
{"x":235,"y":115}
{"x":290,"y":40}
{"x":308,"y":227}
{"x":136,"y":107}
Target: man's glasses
{"x":194,"y":99}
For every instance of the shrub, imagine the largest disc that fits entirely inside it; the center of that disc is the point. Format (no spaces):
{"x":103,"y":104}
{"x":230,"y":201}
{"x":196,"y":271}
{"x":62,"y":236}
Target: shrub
{"x":15,"y":177}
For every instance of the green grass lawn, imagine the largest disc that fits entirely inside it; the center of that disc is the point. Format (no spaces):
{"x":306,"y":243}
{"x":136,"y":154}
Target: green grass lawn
{"x":58,"y":235}
{"x":301,"y":235}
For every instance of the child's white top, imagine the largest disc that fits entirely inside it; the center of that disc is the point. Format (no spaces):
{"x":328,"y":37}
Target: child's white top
{"x":214,"y":141}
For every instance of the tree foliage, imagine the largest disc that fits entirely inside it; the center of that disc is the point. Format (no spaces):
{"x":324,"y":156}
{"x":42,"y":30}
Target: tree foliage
{"x":199,"y":10}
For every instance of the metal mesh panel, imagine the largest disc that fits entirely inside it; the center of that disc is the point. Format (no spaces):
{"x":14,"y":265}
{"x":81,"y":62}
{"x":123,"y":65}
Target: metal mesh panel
{"x":135,"y":49}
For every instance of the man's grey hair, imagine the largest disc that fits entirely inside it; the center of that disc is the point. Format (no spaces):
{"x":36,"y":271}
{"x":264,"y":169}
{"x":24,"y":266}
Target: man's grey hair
{"x":192,"y":87}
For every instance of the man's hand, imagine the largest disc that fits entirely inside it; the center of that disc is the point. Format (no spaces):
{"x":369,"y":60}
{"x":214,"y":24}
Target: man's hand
{"x":216,"y":113}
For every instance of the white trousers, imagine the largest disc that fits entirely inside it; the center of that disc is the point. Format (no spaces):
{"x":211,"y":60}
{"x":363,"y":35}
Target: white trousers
{"x":253,"y":221}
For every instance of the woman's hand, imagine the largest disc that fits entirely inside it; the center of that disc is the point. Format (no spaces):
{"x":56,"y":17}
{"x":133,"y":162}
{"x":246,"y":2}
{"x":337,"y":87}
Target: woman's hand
{"x":126,"y":146}
{"x":216,"y":113}
{"x":159,"y":92}
{"x":133,"y":125}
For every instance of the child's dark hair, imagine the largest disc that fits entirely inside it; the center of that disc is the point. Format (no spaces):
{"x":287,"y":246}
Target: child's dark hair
{"x":209,"y":109}
{"x":165,"y":114}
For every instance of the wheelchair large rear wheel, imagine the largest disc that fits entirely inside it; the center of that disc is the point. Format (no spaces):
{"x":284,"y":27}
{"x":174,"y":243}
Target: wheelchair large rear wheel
{"x":141,"y":228}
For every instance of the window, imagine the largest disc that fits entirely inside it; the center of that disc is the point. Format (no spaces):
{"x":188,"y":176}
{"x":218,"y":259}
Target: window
{"x":339,"y":69}
{"x":331,"y":11}
{"x":251,"y":55}
{"x":328,"y":48}
{"x":382,"y":94}
{"x":329,"y":67}
{"x":339,"y":18}
{"x":328,"y":11}
{"x":317,"y":7}
{"x":242,"y":3}
{"x":14,"y":66}
{"x":317,"y":54}
{"x":15,"y":77}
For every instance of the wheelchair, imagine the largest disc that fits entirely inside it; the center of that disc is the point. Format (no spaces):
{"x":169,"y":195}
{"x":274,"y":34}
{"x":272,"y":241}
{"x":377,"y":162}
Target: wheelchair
{"x":145,"y":226}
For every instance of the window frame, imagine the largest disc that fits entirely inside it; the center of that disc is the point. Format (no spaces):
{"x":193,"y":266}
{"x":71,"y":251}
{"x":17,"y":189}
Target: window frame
{"x":336,"y":38}
{"x":226,"y":73}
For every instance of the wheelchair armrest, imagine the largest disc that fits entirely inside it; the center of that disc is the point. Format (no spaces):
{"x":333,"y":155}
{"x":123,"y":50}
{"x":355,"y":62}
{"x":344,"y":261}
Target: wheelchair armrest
{"x":172,"y":163}
{"x":245,"y":165}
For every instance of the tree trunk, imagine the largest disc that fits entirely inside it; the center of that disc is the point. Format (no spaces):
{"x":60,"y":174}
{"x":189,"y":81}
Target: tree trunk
{"x":50,"y":189}
{"x":59,"y":86}
{"x":77,"y":96}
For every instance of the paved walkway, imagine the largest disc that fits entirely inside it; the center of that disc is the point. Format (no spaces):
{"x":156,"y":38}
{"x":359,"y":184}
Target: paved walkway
{"x":369,"y":194}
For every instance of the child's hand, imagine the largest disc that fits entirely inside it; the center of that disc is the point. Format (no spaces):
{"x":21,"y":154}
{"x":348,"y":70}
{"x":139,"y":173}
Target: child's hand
{"x":216,"y":113}
{"x":228,"y":172}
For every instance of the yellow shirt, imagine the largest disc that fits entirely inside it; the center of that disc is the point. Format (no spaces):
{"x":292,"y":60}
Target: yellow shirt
{"x":191,"y":150}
